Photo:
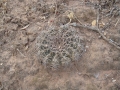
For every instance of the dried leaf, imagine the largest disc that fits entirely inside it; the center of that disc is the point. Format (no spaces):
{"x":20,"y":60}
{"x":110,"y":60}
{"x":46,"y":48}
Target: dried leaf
{"x":94,"y":23}
{"x":70,"y":15}
{"x":102,"y":24}
{"x":43,"y":17}
{"x":26,"y":48}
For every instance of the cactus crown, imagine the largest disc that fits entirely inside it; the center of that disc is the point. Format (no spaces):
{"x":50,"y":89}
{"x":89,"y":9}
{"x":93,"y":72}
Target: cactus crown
{"x":59,"y":47}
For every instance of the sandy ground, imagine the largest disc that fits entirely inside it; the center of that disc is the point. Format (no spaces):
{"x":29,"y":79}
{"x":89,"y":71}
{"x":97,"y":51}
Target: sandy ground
{"x":21,"y":22}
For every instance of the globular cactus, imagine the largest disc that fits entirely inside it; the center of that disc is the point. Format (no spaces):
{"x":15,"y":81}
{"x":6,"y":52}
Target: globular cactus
{"x":59,"y":47}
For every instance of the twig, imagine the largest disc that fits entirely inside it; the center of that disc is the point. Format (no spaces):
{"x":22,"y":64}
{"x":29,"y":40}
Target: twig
{"x":25,"y":27}
{"x":117,"y":22}
{"x":108,"y":40}
{"x":55,"y":8}
{"x":83,"y":26}
{"x":111,"y":12}
{"x":20,"y":53}
{"x":98,"y":16}
{"x":99,"y":31}
{"x":77,"y":19}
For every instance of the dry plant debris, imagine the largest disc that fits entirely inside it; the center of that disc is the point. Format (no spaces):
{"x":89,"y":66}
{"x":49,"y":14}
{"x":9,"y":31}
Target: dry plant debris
{"x":113,"y":11}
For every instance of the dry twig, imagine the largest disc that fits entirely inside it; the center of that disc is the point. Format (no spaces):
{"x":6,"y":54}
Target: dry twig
{"x":55,"y":9}
{"x":21,"y":53}
{"x":99,"y":31}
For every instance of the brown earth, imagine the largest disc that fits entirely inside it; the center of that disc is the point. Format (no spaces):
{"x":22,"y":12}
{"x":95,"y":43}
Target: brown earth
{"x":21,"y":22}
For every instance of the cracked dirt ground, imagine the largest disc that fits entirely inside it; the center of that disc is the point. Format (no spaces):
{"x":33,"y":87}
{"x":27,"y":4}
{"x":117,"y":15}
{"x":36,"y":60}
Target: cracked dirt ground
{"x":21,"y":22}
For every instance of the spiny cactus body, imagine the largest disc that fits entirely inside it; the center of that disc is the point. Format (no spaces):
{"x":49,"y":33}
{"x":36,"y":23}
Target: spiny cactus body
{"x":59,"y":47}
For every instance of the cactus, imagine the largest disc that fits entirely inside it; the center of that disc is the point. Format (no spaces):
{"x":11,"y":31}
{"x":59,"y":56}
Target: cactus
{"x":59,"y":47}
